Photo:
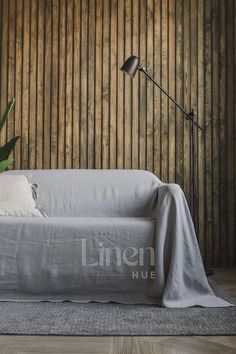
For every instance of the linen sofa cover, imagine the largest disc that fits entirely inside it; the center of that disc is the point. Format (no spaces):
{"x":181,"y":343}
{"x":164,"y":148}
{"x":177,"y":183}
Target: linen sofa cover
{"x":126,"y":212}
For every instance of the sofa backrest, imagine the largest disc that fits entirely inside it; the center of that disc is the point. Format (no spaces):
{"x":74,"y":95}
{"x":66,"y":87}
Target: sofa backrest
{"x":101,"y":193}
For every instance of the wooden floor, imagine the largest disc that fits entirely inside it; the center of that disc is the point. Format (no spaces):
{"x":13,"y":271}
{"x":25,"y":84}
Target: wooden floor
{"x":127,"y":345}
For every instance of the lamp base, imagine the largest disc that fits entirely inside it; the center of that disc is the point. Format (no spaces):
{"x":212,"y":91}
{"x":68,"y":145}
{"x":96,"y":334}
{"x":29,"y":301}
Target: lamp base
{"x":209,"y":272}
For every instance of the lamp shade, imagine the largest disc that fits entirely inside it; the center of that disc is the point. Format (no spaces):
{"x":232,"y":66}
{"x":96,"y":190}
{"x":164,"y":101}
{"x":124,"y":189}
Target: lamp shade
{"x":130,"y":66}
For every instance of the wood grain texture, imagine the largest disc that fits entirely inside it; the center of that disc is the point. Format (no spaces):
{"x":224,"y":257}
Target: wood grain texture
{"x":117,"y":345}
{"x":142,"y":86}
{"x":208,"y":127}
{"x":201,"y":137}
{"x":75,"y":109}
{"x":187,"y":77}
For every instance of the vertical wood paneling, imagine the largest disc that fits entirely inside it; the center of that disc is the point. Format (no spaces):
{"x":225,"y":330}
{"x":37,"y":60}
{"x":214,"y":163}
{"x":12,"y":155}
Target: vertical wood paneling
{"x":164,"y":98}
{"x":223,"y":137}
{"x":193,"y":83}
{"x":208,"y":128}
{"x":187,"y":41}
{"x":120,"y":86}
{"x":62,"y":84}
{"x":114,"y":71}
{"x":91,"y":81}
{"x":76,"y":82}
{"x":0,"y":51}
{"x":157,"y":99}
{"x":18,"y":79}
{"x":11,"y":61}
{"x":69,"y":81}
{"x":98,"y":86}
{"x":172,"y":88}
{"x":33,"y":85}
{"x":105,"y":84}
{"x":40,"y":83}
{"x":54,"y":83}
{"x":143,"y":86}
{"x":230,"y":126}
{"x":216,"y":131}
{"x":4,"y":61}
{"x":25,"y":85}
{"x":127,"y":114}
{"x":75,"y":109}
{"x":201,"y":137}
{"x":234,"y":17}
{"x":150,"y":87}
{"x":135,"y":87}
{"x":179,"y":159}
{"x":47,"y":86}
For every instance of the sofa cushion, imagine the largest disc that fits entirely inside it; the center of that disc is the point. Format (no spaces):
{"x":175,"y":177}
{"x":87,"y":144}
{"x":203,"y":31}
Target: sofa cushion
{"x":84,"y":193}
{"x":18,"y":196}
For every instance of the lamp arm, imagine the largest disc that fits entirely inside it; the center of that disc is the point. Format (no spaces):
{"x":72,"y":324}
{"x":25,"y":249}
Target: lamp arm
{"x":188,"y":115}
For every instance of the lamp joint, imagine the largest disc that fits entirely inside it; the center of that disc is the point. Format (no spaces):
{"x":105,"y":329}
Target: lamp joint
{"x":141,"y":68}
{"x":190,"y":115}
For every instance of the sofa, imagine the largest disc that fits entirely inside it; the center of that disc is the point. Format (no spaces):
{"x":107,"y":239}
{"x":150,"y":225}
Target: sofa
{"x":108,"y":235}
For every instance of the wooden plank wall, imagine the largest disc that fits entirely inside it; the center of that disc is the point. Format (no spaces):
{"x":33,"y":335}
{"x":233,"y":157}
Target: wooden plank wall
{"x":75,"y":109}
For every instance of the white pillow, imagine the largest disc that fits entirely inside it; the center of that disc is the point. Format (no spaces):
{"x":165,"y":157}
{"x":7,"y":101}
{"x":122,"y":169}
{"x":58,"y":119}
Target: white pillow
{"x":18,"y":196}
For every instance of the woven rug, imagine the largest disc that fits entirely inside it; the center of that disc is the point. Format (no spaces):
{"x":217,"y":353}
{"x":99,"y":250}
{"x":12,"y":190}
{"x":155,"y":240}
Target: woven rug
{"x":94,"y":319}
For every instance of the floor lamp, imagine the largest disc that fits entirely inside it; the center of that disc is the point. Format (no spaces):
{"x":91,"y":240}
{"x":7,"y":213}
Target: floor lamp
{"x":130,"y":68}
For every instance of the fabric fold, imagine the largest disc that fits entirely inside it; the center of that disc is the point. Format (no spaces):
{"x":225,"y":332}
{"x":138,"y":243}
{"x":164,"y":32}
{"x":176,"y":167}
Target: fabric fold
{"x":179,"y":267}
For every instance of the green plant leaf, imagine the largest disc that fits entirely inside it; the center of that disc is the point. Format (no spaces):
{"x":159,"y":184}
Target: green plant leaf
{"x":7,"y":149}
{"x":5,"y":164}
{"x":5,"y":114}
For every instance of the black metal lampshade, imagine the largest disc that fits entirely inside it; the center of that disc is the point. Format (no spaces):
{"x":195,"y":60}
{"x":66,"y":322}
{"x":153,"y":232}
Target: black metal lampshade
{"x":130,"y":66}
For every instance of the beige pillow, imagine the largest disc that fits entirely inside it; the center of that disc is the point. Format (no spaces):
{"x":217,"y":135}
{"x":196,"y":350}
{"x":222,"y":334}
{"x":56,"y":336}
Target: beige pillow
{"x":18,"y":196}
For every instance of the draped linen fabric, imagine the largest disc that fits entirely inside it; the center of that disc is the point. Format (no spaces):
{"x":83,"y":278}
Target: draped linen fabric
{"x":110,"y":235}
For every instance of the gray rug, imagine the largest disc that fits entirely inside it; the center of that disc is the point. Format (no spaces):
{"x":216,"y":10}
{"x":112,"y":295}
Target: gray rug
{"x":47,"y":318}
